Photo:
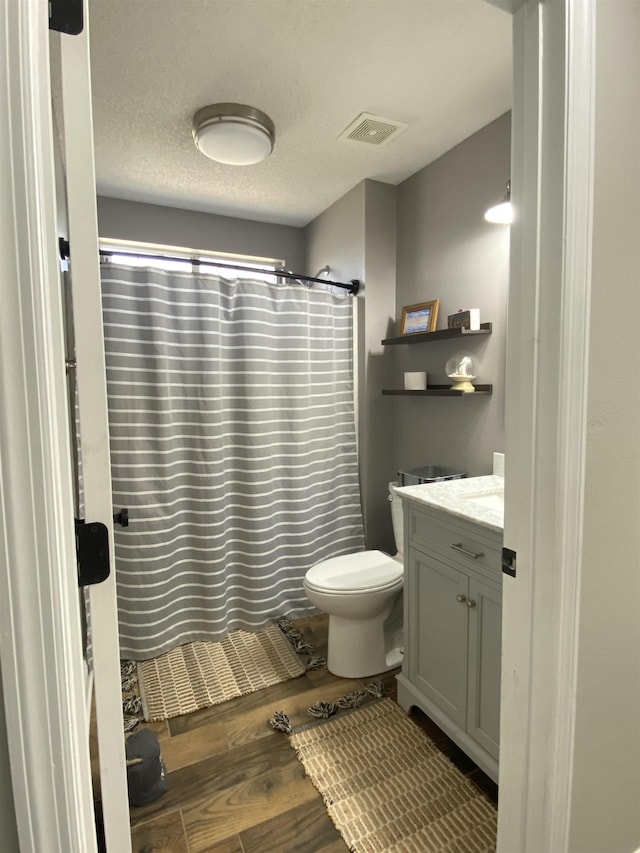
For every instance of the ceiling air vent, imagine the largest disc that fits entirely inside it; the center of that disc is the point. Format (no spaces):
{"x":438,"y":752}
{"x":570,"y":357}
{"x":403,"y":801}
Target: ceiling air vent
{"x":372,"y":129}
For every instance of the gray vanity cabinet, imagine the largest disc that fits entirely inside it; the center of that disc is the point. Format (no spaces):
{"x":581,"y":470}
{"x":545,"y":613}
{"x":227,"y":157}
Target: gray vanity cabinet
{"x":453,"y":624}
{"x":485,"y":638}
{"x":436,"y":651}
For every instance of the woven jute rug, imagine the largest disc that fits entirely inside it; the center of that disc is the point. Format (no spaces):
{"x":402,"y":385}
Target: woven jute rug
{"x":387,"y":787}
{"x":201,"y":674}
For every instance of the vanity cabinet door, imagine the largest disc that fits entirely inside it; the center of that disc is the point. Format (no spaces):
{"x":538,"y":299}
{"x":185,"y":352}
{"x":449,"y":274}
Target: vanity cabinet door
{"x":438,"y":662}
{"x":485,"y":642}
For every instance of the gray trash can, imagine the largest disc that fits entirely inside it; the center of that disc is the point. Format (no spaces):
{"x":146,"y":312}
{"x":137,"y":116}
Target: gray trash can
{"x":428,"y":474}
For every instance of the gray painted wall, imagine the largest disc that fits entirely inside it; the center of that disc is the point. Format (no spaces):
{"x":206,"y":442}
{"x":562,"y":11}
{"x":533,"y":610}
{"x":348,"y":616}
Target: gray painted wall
{"x":376,"y":415}
{"x":151,"y":223}
{"x":426,"y":239}
{"x":447,"y":251}
{"x":356,"y":237}
{"x":336,"y":237}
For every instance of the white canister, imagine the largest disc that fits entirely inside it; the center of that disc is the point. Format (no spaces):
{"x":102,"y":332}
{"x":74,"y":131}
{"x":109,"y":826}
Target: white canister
{"x":415,"y":381}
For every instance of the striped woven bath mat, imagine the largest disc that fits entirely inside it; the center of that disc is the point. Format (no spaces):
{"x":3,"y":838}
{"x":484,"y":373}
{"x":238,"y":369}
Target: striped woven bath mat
{"x":387,"y":787}
{"x":201,"y":674}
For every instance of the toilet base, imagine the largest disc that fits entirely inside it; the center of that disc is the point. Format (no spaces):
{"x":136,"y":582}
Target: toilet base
{"x":394,"y":657}
{"x":357,"y":647}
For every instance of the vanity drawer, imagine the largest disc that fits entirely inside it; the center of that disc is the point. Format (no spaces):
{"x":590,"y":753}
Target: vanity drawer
{"x":467,"y":543}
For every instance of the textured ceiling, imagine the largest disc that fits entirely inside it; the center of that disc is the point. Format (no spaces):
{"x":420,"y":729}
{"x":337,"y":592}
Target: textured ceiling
{"x":442,"y":66}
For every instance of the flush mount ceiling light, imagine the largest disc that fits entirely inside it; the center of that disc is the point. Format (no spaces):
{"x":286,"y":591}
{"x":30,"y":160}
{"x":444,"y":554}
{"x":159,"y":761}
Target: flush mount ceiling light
{"x":501,"y":213}
{"x":235,"y":134}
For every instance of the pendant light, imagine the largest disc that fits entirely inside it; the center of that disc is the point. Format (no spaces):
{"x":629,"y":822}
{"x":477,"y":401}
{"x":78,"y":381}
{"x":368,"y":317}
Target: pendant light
{"x":235,"y":134}
{"x":502,"y":212}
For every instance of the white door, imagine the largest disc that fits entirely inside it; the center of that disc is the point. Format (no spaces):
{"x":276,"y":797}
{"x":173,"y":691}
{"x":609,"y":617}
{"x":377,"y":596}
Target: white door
{"x":94,"y":427}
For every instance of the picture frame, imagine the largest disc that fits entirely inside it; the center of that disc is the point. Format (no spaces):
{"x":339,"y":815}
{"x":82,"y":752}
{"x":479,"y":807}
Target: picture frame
{"x":421,"y":317}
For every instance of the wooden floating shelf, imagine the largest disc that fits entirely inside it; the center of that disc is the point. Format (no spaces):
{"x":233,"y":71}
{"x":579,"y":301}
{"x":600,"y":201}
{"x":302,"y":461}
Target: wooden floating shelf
{"x":438,"y":335}
{"x":441,"y":391}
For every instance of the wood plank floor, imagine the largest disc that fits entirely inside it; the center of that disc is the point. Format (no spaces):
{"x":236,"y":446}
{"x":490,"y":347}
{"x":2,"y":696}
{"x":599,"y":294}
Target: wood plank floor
{"x":235,"y":784}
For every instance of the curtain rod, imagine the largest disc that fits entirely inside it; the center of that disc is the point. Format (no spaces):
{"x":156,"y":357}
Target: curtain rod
{"x":352,"y":287}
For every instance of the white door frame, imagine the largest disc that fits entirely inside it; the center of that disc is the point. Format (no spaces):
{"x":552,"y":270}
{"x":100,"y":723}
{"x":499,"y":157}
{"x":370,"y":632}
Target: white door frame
{"x":545,"y":421}
{"x":43,"y":670}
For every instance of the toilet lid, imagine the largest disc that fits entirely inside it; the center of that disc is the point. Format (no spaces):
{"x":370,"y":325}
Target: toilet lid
{"x":356,"y":572}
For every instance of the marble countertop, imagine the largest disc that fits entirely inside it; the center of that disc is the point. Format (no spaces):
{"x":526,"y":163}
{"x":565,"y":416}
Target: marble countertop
{"x":477,"y":499}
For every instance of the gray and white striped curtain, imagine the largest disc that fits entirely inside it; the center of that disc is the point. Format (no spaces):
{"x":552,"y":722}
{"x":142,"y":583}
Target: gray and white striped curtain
{"x":232,"y":445}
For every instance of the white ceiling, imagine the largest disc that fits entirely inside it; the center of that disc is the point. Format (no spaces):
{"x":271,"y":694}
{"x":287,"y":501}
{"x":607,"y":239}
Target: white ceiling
{"x":442,"y":66}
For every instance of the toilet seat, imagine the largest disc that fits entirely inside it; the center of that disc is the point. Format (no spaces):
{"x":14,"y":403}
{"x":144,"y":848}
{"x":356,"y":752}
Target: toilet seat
{"x":356,"y":573}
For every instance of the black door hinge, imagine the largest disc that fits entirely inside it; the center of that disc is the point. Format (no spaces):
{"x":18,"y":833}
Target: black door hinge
{"x":121,"y":517}
{"x":92,"y":552}
{"x":66,"y":16}
{"x":509,"y":562}
{"x":64,"y":249}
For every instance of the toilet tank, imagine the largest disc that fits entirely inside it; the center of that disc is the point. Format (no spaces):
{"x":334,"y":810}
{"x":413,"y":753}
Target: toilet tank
{"x":428,"y":474}
{"x":397,"y":518}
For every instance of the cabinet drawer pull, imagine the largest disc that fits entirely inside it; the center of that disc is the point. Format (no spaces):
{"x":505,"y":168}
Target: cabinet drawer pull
{"x":461,"y":598}
{"x":471,"y":603}
{"x":457,"y":546}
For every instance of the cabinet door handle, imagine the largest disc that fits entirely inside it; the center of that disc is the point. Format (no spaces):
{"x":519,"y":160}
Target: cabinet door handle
{"x":457,"y":546}
{"x":461,"y":598}
{"x":471,"y":603}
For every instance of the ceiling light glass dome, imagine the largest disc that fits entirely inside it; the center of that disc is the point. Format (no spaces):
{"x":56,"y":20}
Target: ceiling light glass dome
{"x":235,"y":134}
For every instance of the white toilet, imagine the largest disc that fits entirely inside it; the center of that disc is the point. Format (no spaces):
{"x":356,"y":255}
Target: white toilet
{"x":362,"y":593}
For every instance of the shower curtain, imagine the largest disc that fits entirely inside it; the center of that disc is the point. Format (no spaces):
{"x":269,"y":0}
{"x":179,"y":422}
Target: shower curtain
{"x":232,"y":445}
